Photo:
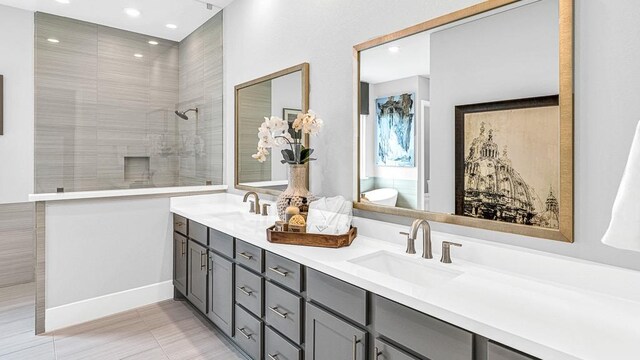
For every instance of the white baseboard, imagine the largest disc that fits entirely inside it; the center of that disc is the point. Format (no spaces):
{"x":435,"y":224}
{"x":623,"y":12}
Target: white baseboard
{"x":95,"y":308}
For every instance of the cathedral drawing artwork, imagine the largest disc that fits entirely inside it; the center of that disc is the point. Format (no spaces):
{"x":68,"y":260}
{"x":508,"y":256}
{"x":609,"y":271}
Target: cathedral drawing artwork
{"x":495,"y":187}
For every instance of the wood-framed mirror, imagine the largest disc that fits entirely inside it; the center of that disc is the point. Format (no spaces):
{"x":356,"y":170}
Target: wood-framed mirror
{"x":467,"y":119}
{"x":284,"y":94}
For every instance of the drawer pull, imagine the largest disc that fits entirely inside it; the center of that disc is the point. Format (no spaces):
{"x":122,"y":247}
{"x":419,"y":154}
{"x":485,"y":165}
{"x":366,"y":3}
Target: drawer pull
{"x":355,"y":347}
{"x":278,"y":271}
{"x":183,"y":243}
{"x":277,"y":312}
{"x":179,"y":223}
{"x":273,"y":357}
{"x":244,"y":333}
{"x":245,"y":291}
{"x":203,"y":260}
{"x":377,"y":352}
{"x":245,"y":255}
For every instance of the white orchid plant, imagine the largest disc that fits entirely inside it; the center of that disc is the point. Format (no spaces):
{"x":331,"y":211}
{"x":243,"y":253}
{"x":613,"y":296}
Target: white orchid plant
{"x":275,"y":132}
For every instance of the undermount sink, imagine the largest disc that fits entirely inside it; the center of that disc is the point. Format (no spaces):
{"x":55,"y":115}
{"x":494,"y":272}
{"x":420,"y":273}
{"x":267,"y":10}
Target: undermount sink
{"x":417,"y":271}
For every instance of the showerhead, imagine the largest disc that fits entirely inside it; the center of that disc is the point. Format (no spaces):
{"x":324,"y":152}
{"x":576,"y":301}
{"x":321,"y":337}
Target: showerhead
{"x":183,"y":114}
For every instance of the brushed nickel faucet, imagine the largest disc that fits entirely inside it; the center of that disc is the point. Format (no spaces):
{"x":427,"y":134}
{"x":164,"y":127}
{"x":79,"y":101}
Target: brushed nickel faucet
{"x":255,"y":206}
{"x":426,"y":238}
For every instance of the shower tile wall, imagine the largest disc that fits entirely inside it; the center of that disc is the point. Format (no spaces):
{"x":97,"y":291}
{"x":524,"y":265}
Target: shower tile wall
{"x":200,"y":84}
{"x":98,"y":104}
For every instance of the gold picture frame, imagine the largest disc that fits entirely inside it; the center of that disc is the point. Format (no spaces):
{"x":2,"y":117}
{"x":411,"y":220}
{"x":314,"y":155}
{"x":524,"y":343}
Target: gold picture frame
{"x":304,"y":70}
{"x":565,"y":231}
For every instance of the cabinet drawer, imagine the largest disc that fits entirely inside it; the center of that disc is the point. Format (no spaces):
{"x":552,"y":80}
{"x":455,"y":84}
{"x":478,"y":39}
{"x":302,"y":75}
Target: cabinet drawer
{"x":248,"y":334}
{"x":337,"y":295}
{"x":198,"y":232}
{"x":283,"y":271}
{"x":249,"y":290}
{"x":180,"y":224}
{"x":221,"y":243}
{"x":498,"y":352}
{"x":421,"y":333}
{"x":277,"y":347}
{"x":249,"y":256}
{"x":387,"y":351}
{"x":283,"y":311}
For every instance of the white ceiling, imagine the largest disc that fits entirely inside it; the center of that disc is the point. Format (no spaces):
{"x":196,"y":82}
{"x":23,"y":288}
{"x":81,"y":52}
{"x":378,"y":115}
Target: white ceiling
{"x":188,"y":15}
{"x":413,"y":58}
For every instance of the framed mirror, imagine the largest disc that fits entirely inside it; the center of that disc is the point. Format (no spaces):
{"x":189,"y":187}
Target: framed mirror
{"x":467,"y":119}
{"x":283,"y":94}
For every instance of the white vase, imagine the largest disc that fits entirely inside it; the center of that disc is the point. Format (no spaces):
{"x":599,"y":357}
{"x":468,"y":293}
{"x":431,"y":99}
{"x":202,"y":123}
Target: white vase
{"x":296,"y":190}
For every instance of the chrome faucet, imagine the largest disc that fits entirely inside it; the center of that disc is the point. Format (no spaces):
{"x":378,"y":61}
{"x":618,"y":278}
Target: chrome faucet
{"x":255,"y":207}
{"x":426,"y":238}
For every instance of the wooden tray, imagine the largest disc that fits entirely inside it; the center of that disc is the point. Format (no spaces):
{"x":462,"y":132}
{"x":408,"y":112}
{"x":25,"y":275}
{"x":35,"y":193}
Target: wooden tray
{"x":307,"y":239}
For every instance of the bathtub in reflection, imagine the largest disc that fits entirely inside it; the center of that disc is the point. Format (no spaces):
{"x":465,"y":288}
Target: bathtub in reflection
{"x":384,"y":196}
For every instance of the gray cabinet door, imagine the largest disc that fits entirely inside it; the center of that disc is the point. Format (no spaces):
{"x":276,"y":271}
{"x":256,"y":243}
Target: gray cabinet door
{"x":220,"y":292}
{"x":197,"y":276}
{"x":180,"y":263}
{"x":330,"y":338}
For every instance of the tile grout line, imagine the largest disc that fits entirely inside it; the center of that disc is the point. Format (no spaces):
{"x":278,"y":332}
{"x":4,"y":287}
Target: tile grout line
{"x":152,"y":335}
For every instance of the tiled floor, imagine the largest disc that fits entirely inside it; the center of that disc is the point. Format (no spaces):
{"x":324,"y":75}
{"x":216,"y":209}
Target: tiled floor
{"x":167,"y":330}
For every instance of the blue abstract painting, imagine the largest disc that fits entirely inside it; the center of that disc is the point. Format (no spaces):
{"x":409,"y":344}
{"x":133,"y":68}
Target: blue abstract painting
{"x":395,"y":120}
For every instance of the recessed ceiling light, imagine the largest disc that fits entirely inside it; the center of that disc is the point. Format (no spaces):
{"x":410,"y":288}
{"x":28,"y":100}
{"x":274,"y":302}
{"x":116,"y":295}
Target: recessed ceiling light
{"x":63,"y":1}
{"x":172,"y":26}
{"x":394,"y":49}
{"x":52,"y":40}
{"x":138,"y":55}
{"x":153,"y":42}
{"x":132,"y":12}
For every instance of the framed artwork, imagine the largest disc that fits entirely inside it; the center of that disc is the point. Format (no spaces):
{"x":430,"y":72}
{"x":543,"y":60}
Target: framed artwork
{"x":395,"y":127}
{"x":507,"y":161}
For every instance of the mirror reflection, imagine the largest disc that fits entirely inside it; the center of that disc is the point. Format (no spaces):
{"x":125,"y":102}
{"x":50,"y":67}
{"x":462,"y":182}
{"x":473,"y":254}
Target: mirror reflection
{"x":464,"y":119}
{"x":280,"y":96}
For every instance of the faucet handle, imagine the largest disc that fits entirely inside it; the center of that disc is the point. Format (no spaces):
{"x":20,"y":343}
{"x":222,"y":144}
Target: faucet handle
{"x":446,"y":251}
{"x":265,"y":209}
{"x":411,"y":246}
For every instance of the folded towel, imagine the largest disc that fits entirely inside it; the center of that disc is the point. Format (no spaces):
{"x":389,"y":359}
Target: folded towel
{"x":330,"y":216}
{"x":624,"y":229}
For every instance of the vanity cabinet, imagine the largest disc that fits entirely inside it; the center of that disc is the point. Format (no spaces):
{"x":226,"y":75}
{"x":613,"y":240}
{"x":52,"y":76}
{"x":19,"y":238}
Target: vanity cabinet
{"x":328,"y":337}
{"x":220,"y":299}
{"x":274,"y":308}
{"x":180,"y":262}
{"x":197,"y":276}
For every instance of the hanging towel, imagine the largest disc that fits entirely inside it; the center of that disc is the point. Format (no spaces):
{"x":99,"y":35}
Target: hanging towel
{"x":330,"y":216}
{"x":624,"y":229}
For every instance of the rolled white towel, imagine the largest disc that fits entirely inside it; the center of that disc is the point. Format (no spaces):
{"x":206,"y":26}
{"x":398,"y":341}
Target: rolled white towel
{"x":330,"y":216}
{"x":624,"y":229}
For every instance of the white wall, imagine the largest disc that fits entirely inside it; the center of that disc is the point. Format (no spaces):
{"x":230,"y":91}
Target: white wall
{"x":606,"y":102}
{"x":16,"y":64}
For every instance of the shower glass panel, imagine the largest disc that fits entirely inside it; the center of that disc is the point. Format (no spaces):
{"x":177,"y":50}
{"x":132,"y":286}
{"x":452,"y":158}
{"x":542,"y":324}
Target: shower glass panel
{"x":106,"y":101}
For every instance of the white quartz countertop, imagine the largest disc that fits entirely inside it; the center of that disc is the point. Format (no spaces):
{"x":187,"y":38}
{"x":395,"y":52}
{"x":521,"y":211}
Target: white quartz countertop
{"x":549,"y":306}
{"x":79,"y":195}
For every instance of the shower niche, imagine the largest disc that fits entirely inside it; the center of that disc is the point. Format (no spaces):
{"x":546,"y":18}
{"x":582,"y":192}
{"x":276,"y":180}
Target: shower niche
{"x":137,"y":171}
